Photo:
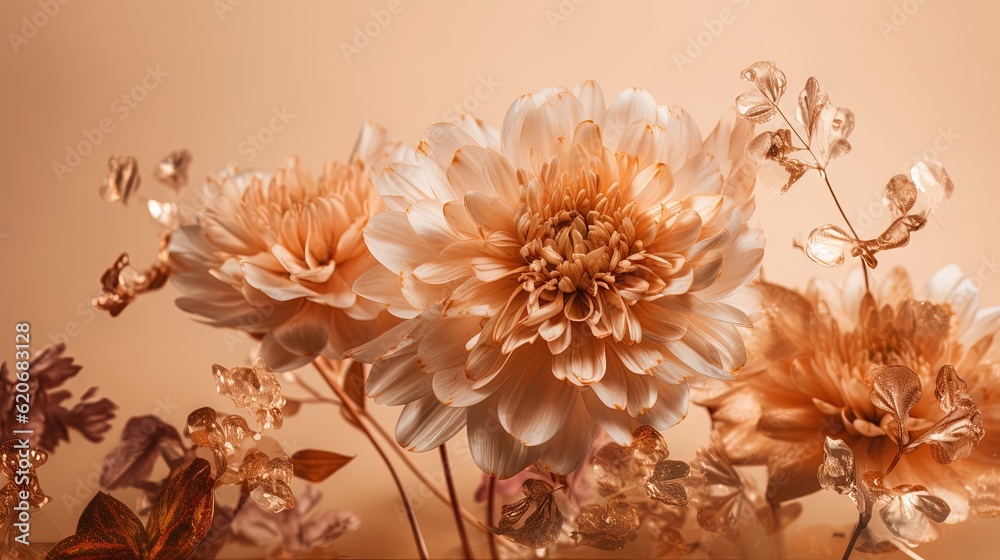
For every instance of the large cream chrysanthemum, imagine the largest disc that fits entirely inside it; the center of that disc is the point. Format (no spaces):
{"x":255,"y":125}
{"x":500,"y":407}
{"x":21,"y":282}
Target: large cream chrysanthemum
{"x":276,"y":255}
{"x":811,"y":354}
{"x":564,"y":272}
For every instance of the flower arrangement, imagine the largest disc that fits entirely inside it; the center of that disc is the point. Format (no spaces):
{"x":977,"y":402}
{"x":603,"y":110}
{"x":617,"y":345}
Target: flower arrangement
{"x":558,"y":292}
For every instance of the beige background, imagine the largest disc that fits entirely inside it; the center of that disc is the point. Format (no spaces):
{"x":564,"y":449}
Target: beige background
{"x":920,"y":76}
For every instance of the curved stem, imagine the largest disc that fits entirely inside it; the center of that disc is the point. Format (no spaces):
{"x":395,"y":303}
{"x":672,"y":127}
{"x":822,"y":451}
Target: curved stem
{"x":326,"y":370}
{"x":826,"y":179}
{"x":491,"y":492}
{"x":863,"y":520}
{"x":455,"y":508}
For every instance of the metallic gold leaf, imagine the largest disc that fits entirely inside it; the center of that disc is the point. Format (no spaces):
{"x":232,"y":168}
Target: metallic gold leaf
{"x":609,"y":527}
{"x":617,"y":467}
{"x":316,"y":466}
{"x":837,"y":472}
{"x":173,"y":169}
{"x":121,"y":284}
{"x":895,"y":389}
{"x":899,"y":195}
{"x":770,"y":80}
{"x":663,"y":487}
{"x":122,"y":181}
{"x":542,"y":527}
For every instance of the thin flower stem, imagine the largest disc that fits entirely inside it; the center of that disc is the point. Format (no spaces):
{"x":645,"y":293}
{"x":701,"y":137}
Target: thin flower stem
{"x":326,"y":370}
{"x":863,"y":520}
{"x":826,"y":179}
{"x":491,"y":492}
{"x":455,"y":507}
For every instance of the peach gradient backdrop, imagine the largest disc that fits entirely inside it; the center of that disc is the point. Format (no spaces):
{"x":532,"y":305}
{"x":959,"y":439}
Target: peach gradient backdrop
{"x":928,"y":82}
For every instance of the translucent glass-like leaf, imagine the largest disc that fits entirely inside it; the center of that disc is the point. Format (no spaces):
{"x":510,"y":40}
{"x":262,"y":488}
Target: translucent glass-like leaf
{"x":269,"y":480}
{"x":164,"y":213}
{"x":837,"y":472}
{"x":933,"y":181}
{"x":812,"y":99}
{"x":123,"y":179}
{"x":539,"y":529}
{"x":768,"y":78}
{"x":910,"y":517}
{"x":255,"y":390}
{"x":755,"y":108}
{"x":899,"y":195}
{"x":895,"y":389}
{"x":609,"y":527}
{"x":770,"y":145}
{"x":832,"y":127}
{"x":828,"y":245}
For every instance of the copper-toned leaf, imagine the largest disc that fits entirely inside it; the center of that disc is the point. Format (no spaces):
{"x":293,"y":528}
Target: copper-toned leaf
{"x":269,"y":480}
{"x":899,"y":195}
{"x":173,"y":169}
{"x":662,"y":485}
{"x":316,"y":466}
{"x":770,"y":80}
{"x":608,"y":527}
{"x":107,"y":529}
{"x":255,"y":390}
{"x":828,"y":245}
{"x":837,"y":472}
{"x":951,"y":391}
{"x":542,"y":526}
{"x":957,"y":434}
{"x":617,"y":467}
{"x":354,"y":386}
{"x":895,"y":389}
{"x":182,"y":514}
{"x":755,"y":107}
{"x":911,"y":516}
{"x":10,"y":466}
{"x":895,"y":236}
{"x":121,"y":284}
{"x":812,"y":99}
{"x":143,"y":440}
{"x":123,"y":179}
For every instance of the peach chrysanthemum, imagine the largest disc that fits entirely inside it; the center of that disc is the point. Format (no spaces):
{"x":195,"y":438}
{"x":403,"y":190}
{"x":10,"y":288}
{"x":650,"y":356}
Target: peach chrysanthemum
{"x":561,"y":275}
{"x":811,"y":354}
{"x":276,"y":255}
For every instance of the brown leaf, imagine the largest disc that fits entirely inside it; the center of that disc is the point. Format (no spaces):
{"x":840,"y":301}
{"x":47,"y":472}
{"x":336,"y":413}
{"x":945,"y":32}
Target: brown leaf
{"x":107,"y":529}
{"x":895,"y":389}
{"x":951,"y":391}
{"x":662,"y":485}
{"x":182,"y":515}
{"x":143,"y":440}
{"x":354,"y":386}
{"x":617,"y":467}
{"x":123,"y":179}
{"x":542,"y":527}
{"x":958,"y":434}
{"x":316,"y":466}
{"x":609,"y":527}
{"x":121,"y":284}
{"x":837,"y":472}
